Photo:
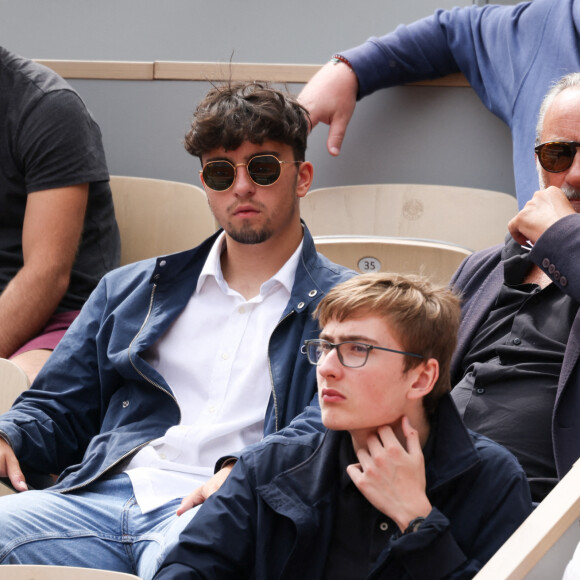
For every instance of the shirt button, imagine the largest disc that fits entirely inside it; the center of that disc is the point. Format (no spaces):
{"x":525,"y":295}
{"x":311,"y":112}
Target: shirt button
{"x":480,"y":391}
{"x":211,"y":409}
{"x":125,"y":404}
{"x":162,"y":263}
{"x":383,"y":526}
{"x":241,"y":310}
{"x":517,"y":341}
{"x":225,"y":355}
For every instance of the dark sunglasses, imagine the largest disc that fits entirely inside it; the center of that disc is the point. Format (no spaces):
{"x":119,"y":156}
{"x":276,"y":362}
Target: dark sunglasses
{"x":556,"y":156}
{"x":263,"y":170}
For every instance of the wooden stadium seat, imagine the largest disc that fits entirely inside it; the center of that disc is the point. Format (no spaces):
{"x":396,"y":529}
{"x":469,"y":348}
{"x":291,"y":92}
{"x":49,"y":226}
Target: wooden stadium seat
{"x":159,"y":217}
{"x":437,"y":260}
{"x":473,"y":218}
{"x":543,"y":545}
{"x":13,"y":381}
{"x":30,"y":572}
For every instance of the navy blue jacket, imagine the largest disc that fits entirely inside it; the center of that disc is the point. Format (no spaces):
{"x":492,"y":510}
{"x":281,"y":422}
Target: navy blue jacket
{"x":479,"y":279}
{"x":273,"y":517}
{"x":97,"y":401}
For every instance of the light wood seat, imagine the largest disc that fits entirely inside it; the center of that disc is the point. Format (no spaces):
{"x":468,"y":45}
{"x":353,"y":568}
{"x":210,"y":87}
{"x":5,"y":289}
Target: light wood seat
{"x":159,"y":217}
{"x":13,"y":381}
{"x":473,"y":218}
{"x":436,"y":260}
{"x":30,"y":572}
{"x":543,"y":545}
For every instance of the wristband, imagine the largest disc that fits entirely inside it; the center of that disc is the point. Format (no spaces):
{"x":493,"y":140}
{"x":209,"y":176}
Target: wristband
{"x":339,"y":58}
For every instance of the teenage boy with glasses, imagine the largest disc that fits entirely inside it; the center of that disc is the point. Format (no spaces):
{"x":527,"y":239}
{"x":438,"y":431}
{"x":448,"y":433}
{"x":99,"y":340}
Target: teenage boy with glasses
{"x":397,"y":488}
{"x":178,"y":361}
{"x":515,"y":372}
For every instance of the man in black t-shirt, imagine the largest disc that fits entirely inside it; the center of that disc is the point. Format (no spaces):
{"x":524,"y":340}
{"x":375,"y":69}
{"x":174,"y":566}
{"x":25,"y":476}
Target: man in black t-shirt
{"x":58,"y":234}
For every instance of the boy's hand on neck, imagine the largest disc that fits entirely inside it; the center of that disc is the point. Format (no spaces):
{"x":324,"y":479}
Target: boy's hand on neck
{"x":392,"y":477}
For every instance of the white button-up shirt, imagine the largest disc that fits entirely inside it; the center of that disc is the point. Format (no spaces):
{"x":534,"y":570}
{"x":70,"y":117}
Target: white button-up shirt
{"x":215,"y":359}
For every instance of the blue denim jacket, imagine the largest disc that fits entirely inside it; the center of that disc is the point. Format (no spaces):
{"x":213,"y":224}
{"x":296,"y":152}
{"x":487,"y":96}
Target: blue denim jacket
{"x":97,"y":401}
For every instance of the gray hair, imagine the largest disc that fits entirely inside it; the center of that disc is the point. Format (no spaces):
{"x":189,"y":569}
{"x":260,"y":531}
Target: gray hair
{"x":566,"y":82}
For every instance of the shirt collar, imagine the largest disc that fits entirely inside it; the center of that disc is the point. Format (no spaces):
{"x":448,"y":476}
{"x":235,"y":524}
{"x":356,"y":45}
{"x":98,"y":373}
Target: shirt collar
{"x":212,"y":267}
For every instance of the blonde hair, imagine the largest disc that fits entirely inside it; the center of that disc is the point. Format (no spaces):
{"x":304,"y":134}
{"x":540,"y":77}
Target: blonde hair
{"x":423,"y":317}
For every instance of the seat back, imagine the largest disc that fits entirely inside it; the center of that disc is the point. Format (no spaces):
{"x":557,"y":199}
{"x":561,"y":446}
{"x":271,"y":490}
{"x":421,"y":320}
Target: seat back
{"x":543,"y":545}
{"x":436,"y":260}
{"x":33,"y":572}
{"x":159,"y":217}
{"x":13,"y":381}
{"x":473,"y":218}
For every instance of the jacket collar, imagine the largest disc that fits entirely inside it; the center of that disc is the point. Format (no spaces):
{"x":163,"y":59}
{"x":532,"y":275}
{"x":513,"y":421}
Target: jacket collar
{"x":310,"y":282}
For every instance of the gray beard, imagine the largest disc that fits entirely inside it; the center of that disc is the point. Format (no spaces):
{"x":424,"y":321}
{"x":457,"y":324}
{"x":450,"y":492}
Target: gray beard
{"x":572,"y":193}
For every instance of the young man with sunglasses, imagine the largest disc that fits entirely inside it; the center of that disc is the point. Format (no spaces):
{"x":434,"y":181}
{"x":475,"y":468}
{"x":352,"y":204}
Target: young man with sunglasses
{"x":515,"y":369}
{"x":397,"y":488}
{"x":178,"y":361}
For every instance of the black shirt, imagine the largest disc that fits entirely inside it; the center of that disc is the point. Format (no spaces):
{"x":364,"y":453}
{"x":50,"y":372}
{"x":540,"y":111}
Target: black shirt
{"x":512,"y":368}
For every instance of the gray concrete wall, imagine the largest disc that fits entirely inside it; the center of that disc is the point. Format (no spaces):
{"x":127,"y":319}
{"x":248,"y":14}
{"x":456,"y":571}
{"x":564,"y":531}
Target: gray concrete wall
{"x":406,"y":134}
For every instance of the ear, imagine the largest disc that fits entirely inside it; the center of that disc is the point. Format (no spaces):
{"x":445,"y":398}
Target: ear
{"x":424,"y":378}
{"x":304,"y":178}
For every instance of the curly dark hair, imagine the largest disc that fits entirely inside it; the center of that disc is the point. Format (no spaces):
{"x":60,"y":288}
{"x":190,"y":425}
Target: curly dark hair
{"x":236,"y":112}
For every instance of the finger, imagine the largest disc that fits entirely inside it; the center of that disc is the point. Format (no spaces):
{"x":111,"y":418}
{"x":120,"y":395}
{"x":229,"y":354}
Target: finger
{"x":15,"y":475}
{"x":514,"y":230}
{"x":355,"y":472}
{"x":336,"y":134}
{"x":190,"y":501}
{"x":412,"y":437}
{"x":386,"y":438}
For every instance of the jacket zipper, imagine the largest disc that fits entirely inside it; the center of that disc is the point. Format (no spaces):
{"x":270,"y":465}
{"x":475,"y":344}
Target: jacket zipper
{"x":274,"y":396}
{"x":146,"y":379}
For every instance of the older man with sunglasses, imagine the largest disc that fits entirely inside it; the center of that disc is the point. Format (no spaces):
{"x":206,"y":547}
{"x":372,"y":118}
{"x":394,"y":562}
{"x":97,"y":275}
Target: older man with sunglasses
{"x":515,"y":369}
{"x":179,"y":361}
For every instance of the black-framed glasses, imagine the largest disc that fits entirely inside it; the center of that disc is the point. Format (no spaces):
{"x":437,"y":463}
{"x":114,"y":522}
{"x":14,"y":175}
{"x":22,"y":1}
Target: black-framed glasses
{"x":350,"y":353}
{"x":264,"y":170}
{"x":557,"y":156}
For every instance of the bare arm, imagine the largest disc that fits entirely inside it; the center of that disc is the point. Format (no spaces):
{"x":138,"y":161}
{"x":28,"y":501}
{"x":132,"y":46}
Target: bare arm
{"x":330,"y":97}
{"x":53,"y":225}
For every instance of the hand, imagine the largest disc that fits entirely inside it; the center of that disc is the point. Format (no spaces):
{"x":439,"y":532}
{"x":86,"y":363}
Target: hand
{"x":545,"y":208}
{"x":330,"y":97}
{"x":9,"y":467}
{"x":391,"y":477}
{"x":198,"y":496}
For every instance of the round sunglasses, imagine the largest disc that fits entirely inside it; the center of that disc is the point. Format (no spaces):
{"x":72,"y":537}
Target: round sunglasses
{"x":556,"y":156}
{"x":264,"y":170}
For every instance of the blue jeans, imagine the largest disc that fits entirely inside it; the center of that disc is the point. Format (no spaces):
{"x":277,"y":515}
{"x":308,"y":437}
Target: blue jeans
{"x":100,"y":526}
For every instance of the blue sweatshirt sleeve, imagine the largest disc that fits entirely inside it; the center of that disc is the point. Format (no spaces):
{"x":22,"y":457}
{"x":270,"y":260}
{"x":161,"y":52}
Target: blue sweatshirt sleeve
{"x":493,"y":46}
